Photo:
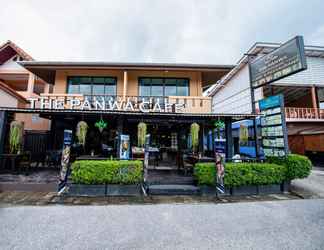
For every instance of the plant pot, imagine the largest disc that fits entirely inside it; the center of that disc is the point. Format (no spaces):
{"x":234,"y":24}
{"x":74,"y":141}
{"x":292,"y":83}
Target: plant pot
{"x":270,"y":189}
{"x":86,"y":190}
{"x":285,"y":186}
{"x":124,"y":190}
{"x":245,"y":190}
{"x":207,"y":190}
{"x":211,"y":191}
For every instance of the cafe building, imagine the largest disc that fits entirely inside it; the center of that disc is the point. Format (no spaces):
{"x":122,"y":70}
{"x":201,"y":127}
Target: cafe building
{"x":114,"y":98}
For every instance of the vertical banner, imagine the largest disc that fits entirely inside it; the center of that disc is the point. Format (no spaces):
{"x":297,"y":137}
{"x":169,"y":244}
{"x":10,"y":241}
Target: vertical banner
{"x":65,"y":160}
{"x":146,"y":156}
{"x":220,"y":173}
{"x":124,"y":147}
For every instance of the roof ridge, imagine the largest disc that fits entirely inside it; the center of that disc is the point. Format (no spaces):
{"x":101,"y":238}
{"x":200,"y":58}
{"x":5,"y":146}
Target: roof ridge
{"x":19,"y":50}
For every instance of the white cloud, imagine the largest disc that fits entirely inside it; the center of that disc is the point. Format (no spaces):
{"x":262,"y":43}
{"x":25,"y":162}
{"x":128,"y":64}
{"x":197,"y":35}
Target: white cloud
{"x":193,"y":31}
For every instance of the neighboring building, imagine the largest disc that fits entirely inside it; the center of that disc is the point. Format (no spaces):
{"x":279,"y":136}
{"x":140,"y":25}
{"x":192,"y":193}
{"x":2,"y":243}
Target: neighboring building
{"x":17,"y":84}
{"x":303,"y":94}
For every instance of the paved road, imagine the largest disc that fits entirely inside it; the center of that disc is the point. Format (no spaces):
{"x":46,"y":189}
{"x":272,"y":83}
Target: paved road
{"x":313,"y":186}
{"x":290,"y":224}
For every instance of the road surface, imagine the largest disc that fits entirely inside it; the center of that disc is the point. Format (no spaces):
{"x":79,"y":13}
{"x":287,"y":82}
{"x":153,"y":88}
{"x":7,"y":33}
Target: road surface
{"x":289,"y":224}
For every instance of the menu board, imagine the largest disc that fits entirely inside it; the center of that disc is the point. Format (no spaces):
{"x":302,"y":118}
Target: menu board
{"x":273,"y":126}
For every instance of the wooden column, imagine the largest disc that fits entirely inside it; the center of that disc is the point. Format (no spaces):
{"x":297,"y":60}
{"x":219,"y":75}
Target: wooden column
{"x":314,"y":98}
{"x":31,"y":83}
{"x":314,"y":101}
{"x":125,"y":84}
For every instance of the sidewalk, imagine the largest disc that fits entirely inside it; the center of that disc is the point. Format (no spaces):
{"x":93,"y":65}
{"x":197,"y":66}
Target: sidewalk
{"x":51,"y":198}
{"x":311,"y":187}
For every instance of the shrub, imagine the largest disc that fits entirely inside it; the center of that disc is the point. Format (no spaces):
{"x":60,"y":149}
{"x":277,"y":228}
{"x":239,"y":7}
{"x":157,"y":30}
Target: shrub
{"x":297,"y":166}
{"x":240,"y":174}
{"x":107,"y":172}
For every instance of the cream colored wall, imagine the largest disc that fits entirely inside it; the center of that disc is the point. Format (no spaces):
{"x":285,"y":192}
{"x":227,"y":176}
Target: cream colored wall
{"x":60,"y":86}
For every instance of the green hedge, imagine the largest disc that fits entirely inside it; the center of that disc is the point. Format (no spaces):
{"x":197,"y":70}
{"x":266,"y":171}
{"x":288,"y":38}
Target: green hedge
{"x":298,"y":166}
{"x":107,"y":172}
{"x":240,"y":174}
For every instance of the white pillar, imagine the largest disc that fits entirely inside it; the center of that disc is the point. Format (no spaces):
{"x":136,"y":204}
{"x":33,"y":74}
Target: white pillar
{"x":125,"y":84}
{"x":31,"y":83}
{"x":46,"y":88}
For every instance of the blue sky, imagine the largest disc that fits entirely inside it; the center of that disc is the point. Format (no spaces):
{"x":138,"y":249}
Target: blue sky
{"x":192,"y":31}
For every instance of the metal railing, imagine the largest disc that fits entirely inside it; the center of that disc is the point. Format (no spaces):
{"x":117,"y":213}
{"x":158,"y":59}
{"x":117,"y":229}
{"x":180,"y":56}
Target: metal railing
{"x":304,"y":113}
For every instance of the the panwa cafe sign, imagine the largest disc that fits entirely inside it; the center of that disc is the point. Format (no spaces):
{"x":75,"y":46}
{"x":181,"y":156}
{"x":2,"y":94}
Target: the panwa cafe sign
{"x":143,"y":104}
{"x":286,"y":60}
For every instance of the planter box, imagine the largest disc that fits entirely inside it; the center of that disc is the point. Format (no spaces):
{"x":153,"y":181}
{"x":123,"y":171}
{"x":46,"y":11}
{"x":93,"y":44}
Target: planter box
{"x":87,"y":190}
{"x":124,"y":190}
{"x":211,"y":191}
{"x":270,"y":189}
{"x":285,"y":186}
{"x":245,"y":190}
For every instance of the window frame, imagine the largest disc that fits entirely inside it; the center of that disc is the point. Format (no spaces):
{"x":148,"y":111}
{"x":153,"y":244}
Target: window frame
{"x":92,"y":84}
{"x":164,"y":84}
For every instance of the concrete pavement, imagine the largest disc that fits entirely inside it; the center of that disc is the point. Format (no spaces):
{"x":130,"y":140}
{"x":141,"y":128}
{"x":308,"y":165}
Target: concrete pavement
{"x":311,"y":187}
{"x":288,"y":224}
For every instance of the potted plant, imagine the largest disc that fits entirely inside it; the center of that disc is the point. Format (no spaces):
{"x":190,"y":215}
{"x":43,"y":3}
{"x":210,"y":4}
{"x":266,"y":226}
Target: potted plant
{"x":16,"y":137}
{"x":194,"y":131}
{"x":81,"y":132}
{"x":141,"y":134}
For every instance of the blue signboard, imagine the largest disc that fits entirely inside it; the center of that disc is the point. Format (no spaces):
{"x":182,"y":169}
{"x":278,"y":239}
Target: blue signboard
{"x":270,"y":102}
{"x":273,"y":126}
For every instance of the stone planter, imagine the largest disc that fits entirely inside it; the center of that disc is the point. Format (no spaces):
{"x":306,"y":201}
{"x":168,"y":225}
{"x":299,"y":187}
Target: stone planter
{"x":86,"y":190}
{"x":211,"y":191}
{"x":245,"y":190}
{"x":124,"y":190}
{"x":269,"y":189}
{"x":285,"y":186}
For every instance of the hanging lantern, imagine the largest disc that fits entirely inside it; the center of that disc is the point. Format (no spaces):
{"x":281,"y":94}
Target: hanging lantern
{"x":81,"y":132}
{"x":101,"y":125}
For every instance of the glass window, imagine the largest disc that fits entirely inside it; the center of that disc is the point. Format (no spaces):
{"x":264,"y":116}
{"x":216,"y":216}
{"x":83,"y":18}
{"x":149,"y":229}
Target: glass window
{"x":163,"y":87}
{"x":110,"y":89}
{"x":170,"y":88}
{"x":92,"y":85}
{"x":145,"y":90}
{"x":182,"y":87}
{"x":73,"y":89}
{"x":320,"y":95}
{"x":98,"y":89}
{"x":85,"y":89}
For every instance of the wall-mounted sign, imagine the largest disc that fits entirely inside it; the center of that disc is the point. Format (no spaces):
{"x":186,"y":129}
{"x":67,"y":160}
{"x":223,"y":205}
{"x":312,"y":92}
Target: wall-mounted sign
{"x":273,"y":126}
{"x":144,"y":105}
{"x":286,"y":60}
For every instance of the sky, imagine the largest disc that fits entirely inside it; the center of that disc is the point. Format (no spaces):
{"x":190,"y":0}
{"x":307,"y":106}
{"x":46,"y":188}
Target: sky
{"x":174,"y":31}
